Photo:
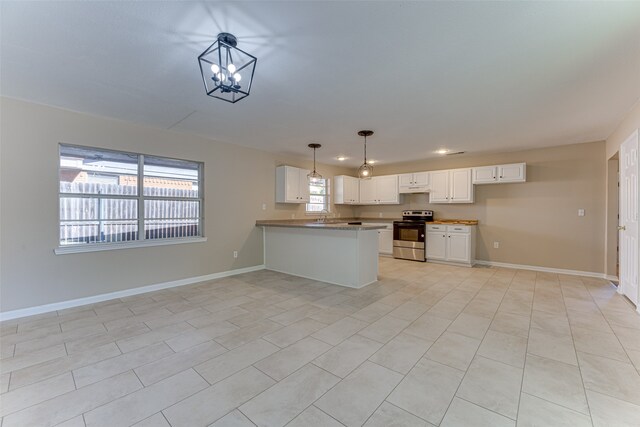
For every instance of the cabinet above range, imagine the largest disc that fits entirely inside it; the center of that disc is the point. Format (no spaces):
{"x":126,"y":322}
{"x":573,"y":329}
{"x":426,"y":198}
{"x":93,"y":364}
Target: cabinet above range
{"x":417,"y":182}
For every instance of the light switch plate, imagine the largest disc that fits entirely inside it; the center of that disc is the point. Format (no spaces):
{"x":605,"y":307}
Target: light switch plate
{"x":580,"y":212}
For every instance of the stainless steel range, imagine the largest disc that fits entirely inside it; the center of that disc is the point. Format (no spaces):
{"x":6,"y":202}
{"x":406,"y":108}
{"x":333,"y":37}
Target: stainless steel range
{"x":409,"y":235}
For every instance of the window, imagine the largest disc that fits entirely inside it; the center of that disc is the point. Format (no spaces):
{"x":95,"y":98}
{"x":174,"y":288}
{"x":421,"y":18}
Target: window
{"x":318,"y":196}
{"x":114,"y":197}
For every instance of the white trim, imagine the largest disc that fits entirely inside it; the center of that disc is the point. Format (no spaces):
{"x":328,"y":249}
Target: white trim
{"x":76,"y":249}
{"x":456,"y":264}
{"x":23,"y":312}
{"x":612,"y":278}
{"x":543,"y":269}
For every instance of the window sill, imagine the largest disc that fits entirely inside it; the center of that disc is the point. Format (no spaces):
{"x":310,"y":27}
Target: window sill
{"x":76,"y":249}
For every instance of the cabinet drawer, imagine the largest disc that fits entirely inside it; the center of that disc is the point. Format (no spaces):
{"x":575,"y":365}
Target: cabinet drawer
{"x":458,"y":229}
{"x":436,"y":227}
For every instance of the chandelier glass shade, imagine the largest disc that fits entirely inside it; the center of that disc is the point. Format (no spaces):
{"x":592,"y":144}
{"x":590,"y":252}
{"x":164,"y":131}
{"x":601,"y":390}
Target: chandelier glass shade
{"x":227,"y":72}
{"x":366,"y":170}
{"x":314,"y":174}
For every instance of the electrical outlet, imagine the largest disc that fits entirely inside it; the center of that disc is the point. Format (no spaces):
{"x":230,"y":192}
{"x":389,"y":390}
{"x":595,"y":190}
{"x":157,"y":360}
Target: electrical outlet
{"x":580,"y":212}
{"x":293,"y":216}
{"x":235,"y":254}
{"x":264,"y":206}
{"x":496,"y":245}
{"x":379,"y":214}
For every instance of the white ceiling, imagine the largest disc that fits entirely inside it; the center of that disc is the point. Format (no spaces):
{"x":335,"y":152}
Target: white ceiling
{"x":478,"y":76}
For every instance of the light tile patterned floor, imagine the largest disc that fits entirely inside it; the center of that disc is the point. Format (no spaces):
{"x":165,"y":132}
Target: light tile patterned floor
{"x":426,"y":345}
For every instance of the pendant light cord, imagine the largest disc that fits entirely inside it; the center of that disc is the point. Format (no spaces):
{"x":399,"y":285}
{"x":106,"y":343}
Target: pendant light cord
{"x":365,"y":149}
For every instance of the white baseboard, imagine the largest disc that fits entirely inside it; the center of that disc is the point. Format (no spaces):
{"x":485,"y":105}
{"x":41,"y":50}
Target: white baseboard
{"x":612,"y":278}
{"x":24,"y":312}
{"x":543,"y":269}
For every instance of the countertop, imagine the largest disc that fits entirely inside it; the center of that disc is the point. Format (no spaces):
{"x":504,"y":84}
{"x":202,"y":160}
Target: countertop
{"x":329,"y":225}
{"x":455,"y":221}
{"x":341,"y":223}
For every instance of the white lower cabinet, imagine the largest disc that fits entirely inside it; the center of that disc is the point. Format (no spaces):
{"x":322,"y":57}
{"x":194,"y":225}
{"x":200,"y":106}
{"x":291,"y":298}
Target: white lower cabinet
{"x":436,"y":245}
{"x":459,"y":247}
{"x":385,"y":239}
{"x":385,"y":242}
{"x":451,"y":243}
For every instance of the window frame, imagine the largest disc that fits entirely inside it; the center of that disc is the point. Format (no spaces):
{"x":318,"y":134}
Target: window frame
{"x":140,"y":197}
{"x":327,"y":198}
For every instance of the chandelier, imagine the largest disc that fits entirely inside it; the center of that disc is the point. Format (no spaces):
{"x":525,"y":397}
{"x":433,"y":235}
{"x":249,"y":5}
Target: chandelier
{"x":227,"y":72}
{"x":366,"y":170}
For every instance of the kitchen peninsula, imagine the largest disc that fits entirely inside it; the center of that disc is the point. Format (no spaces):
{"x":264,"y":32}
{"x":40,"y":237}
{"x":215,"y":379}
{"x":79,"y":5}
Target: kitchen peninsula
{"x":341,"y":253}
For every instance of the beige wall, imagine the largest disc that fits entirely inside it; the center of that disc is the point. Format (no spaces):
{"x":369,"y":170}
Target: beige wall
{"x":237,"y":181}
{"x":535,"y":222}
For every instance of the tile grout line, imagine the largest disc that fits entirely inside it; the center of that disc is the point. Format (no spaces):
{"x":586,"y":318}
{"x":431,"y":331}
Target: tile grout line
{"x":526,"y":348}
{"x":626,"y":352}
{"x":575,"y":351}
{"x":455,"y":394}
{"x":421,"y":357}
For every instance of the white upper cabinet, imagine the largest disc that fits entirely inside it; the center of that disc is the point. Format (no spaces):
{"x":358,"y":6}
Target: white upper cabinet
{"x":461,"y":187}
{"x":368,"y":191}
{"x":387,"y":189}
{"x":346,"y":190}
{"x":451,"y":186}
{"x":516,"y":172}
{"x":292,"y":185}
{"x":417,"y":182}
{"x":439,"y":187}
{"x":485,"y":175}
{"x":379,"y":190}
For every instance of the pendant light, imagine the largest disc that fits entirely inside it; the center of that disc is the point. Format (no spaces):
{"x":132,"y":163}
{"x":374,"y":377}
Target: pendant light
{"x":314,"y":174}
{"x":227,"y":72}
{"x":366,"y":170}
